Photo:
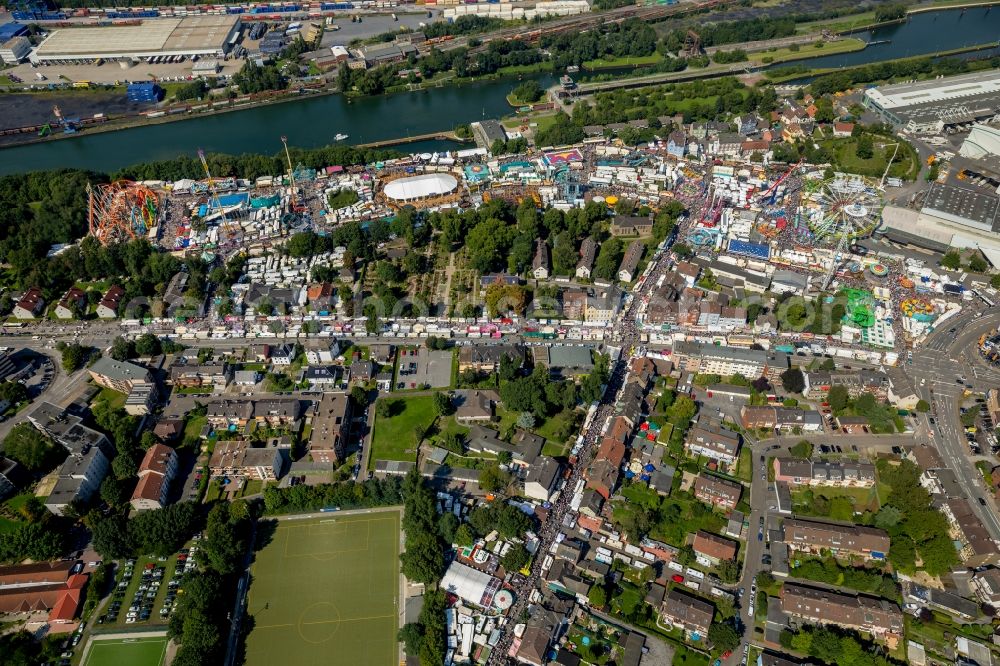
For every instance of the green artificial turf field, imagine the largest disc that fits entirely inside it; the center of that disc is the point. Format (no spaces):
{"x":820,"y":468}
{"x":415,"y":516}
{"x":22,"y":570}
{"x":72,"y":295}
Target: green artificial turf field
{"x":325,"y":591}
{"x":127,"y":652}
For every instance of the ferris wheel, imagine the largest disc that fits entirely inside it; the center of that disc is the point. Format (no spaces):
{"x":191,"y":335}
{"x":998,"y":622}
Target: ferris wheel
{"x":845,"y":206}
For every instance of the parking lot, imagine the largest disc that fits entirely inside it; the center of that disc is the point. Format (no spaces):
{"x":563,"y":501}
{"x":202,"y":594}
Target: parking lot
{"x":150,"y":587}
{"x":421,"y":367}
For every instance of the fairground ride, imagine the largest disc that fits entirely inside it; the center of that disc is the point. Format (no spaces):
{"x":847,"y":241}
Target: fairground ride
{"x":843,"y":209}
{"x":121,"y":211}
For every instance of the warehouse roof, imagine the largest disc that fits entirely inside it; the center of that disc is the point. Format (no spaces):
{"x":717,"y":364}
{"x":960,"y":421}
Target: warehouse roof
{"x":964,"y":206}
{"x":904,"y":95}
{"x":192,"y":34}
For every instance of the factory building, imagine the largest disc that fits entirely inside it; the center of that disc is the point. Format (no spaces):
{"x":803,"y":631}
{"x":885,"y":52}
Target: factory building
{"x":983,"y":142}
{"x":935,"y":105}
{"x":211,"y":36}
{"x":951,"y":216}
{"x":15,"y":50}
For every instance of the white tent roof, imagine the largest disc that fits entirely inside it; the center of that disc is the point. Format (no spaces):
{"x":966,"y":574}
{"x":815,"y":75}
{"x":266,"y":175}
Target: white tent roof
{"x":470,"y":584}
{"x":420,"y":187}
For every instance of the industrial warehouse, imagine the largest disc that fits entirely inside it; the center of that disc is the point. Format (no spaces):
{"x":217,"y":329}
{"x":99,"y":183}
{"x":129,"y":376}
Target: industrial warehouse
{"x":939,"y":104}
{"x":184,"y":37}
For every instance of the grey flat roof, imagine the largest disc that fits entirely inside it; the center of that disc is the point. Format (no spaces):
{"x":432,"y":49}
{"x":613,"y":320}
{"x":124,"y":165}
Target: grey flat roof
{"x":980,"y":209}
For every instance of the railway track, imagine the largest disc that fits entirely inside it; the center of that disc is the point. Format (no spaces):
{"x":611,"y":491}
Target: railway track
{"x":584,"y":22}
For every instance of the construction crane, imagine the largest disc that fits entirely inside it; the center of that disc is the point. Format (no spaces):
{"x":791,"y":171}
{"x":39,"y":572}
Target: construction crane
{"x":69,"y":125}
{"x":296,"y":207}
{"x":215,"y":195}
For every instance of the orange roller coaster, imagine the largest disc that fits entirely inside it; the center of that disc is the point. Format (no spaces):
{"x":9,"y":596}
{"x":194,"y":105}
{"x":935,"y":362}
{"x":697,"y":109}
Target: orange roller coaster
{"x":121,"y":210}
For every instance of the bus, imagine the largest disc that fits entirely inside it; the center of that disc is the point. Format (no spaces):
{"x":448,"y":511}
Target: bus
{"x":82,"y":84}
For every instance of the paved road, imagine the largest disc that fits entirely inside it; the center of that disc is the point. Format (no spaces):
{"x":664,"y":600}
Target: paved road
{"x":948,"y":353}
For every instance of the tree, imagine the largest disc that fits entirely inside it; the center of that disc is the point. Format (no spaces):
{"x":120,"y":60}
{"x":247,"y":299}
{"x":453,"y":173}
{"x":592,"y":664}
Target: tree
{"x":111,"y":537}
{"x":723,"y":637}
{"x":13,"y":392}
{"x":793,"y":380}
{"x":113,"y":492}
{"x":729,"y":571}
{"x":147,"y":344}
{"x":516,"y":558}
{"x":383,"y":408}
{"x":73,"y":357}
{"x":682,"y":411}
{"x":121,"y":349}
{"x":492,"y":479}
{"x":526,"y":420}
{"x":865,"y":148}
{"x":995,"y":281}
{"x":952,"y":260}
{"x":227,"y":533}
{"x":887,"y":517}
{"x":360,"y":396}
{"x":442,"y":403}
{"x":923,"y":406}
{"x":464,"y":536}
{"x":35,"y":451}
{"x":838,"y":397}
{"x":528,"y":92}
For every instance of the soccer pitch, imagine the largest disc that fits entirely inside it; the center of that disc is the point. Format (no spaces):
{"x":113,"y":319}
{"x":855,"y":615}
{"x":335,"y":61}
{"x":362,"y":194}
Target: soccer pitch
{"x":325,"y":591}
{"x":127,"y":652}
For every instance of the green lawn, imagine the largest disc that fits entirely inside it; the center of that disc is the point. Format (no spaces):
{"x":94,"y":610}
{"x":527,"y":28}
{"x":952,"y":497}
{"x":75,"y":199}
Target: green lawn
{"x":127,"y":652}
{"x":113,"y":399}
{"x":857,"y":500}
{"x":325,"y":590}
{"x":193,"y":426}
{"x":680,"y":514}
{"x":628,"y":61}
{"x":844,"y":152}
{"x":808,"y":51}
{"x":394,"y":438}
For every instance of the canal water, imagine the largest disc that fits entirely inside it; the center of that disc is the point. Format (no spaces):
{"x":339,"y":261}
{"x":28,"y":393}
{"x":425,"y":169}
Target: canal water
{"x":315,"y":122}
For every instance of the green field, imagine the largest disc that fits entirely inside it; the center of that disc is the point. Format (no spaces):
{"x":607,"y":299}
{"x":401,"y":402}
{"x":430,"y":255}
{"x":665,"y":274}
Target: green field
{"x":394,"y":437}
{"x":326,"y":590}
{"x":127,"y":652}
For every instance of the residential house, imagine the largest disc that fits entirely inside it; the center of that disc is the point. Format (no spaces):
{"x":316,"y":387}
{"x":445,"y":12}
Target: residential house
{"x":67,"y":429}
{"x":322,"y":297}
{"x":10,"y":477}
{"x":30,"y":305}
{"x":710,"y":438}
{"x":855,"y":382}
{"x":108,"y":307}
{"x":978,"y":548}
{"x":814,"y":605}
{"x":718,"y":492}
{"x":677,"y":144}
{"x":699,"y":357}
{"x":630,"y":262}
{"x":325,"y":377}
{"x":712,"y":549}
{"x":236,"y":458}
{"x":486,"y":358}
{"x":158,"y":468}
{"x":322,"y":355}
{"x":813,"y":536}
{"x":602,"y":306}
{"x":475,"y":406}
{"x":986,"y":584}
{"x":383,"y":382}
{"x":524,"y":451}
{"x":728,"y":144}
{"x":541,"y":631}
{"x":72,"y":304}
{"x":574,"y":304}
{"x":215,"y":376}
{"x":542,"y":478}
{"x":362,"y":371}
{"x":78,"y":478}
{"x":631,"y":225}
{"x":141,"y":400}
{"x":688,"y":613}
{"x":540,"y":266}
{"x":277,"y":411}
{"x":799,"y":472}
{"x":42,"y":587}
{"x":842,"y":130}
{"x":283,"y":355}
{"x":383,"y":354}
{"x":603,"y":472}
{"x":780,"y":418}
{"x":120,"y":376}
{"x":588,"y":253}
{"x":330,"y":427}
{"x":246,"y":377}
